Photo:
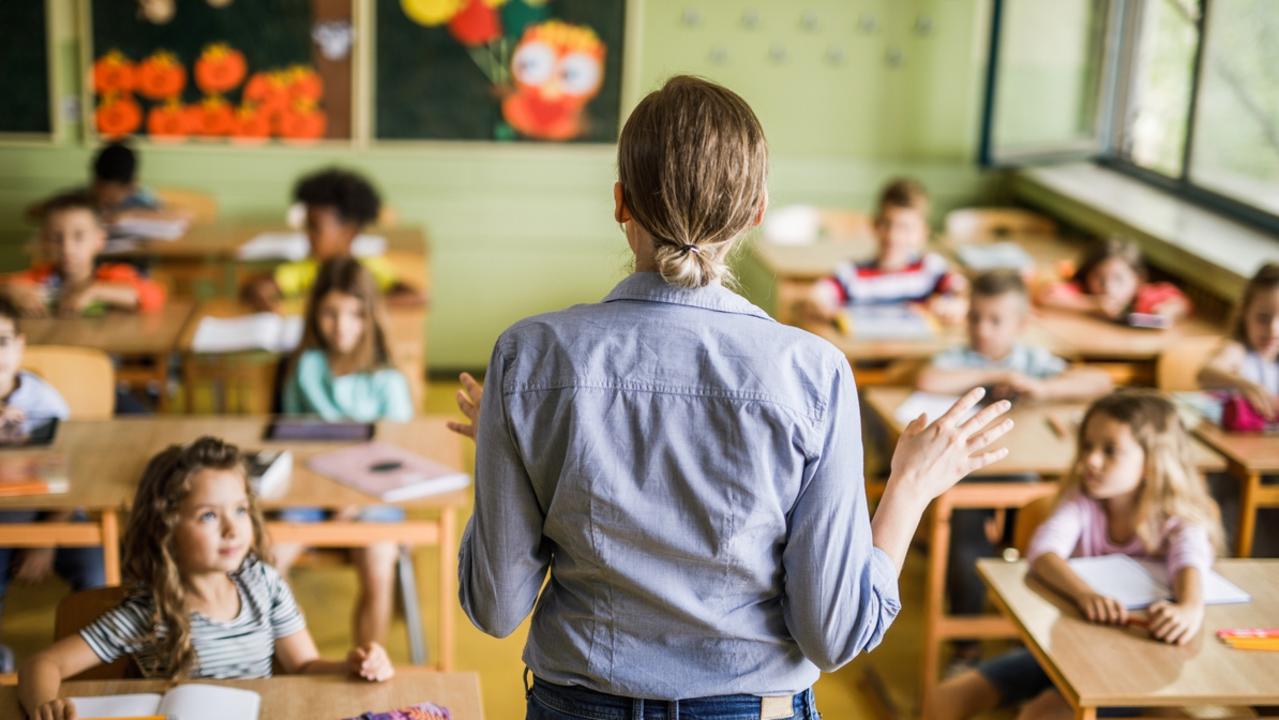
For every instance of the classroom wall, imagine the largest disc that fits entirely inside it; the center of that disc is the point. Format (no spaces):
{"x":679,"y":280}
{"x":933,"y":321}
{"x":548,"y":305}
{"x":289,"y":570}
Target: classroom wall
{"x":850,"y":92}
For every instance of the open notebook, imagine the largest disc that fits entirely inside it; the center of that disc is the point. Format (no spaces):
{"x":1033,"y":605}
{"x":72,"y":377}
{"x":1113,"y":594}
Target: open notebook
{"x":890,"y":322}
{"x":980,"y":257}
{"x":259,"y":331}
{"x":186,"y":702}
{"x":1138,"y":584}
{"x":294,"y":246}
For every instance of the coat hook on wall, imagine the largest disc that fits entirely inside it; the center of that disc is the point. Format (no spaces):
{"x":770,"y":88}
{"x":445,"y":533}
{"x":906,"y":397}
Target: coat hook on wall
{"x":810,"y":22}
{"x":835,"y":55}
{"x":894,"y":58}
{"x":923,"y":26}
{"x":718,"y":55}
{"x":691,"y":17}
{"x":750,"y":18}
{"x":778,"y":54}
{"x":867,"y":24}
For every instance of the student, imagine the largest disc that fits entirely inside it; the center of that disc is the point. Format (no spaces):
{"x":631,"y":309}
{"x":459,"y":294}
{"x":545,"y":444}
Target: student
{"x":72,"y":282}
{"x":1111,"y":283}
{"x":339,"y":205}
{"x":202,"y":602}
{"x":903,"y":270}
{"x":1133,"y":489}
{"x":25,"y":398}
{"x":343,"y":371}
{"x":995,"y":359}
{"x":1248,"y":362}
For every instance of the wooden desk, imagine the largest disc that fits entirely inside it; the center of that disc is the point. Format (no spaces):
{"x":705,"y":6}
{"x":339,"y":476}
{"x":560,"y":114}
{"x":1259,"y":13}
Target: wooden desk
{"x":208,"y":254}
{"x":107,"y":459}
{"x":146,"y":337}
{"x":1130,"y":353}
{"x":1033,"y":448}
{"x":1047,"y":251}
{"x":1102,"y":666}
{"x":287,"y":697}
{"x":251,"y":373}
{"x":1249,"y":456}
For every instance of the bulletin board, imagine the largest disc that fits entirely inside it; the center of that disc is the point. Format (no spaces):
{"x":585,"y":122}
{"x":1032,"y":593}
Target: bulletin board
{"x":25,"y":112}
{"x":246,"y":71}
{"x":498,"y":70}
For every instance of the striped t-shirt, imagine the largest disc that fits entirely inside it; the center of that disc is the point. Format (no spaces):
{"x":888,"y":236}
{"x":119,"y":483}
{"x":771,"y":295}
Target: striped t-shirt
{"x":240,"y":648}
{"x":867,"y":283}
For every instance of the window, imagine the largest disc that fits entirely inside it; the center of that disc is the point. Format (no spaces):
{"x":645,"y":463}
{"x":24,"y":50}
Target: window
{"x":1182,"y":93}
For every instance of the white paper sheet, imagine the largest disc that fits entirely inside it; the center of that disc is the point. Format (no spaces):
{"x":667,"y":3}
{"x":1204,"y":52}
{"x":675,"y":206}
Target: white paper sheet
{"x":990,"y":256}
{"x":889,"y":322}
{"x":260,"y":331}
{"x":935,"y":405}
{"x":1138,"y":584}
{"x":150,"y":228}
{"x":293,"y":246}
{"x":117,"y":706}
{"x":210,"y":702}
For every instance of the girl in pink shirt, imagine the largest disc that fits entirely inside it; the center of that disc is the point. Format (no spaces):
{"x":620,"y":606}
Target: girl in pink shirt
{"x":1133,"y":489}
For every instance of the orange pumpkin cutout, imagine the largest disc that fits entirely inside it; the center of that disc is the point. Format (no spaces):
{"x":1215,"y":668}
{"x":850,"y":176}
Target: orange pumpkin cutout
{"x":161,"y":76}
{"x":220,"y":68}
{"x":217,"y":118}
{"x":304,"y":84}
{"x":118,"y":116}
{"x":251,"y":126}
{"x":113,"y":73}
{"x":269,"y":91}
{"x":170,"y":121}
{"x":301,"y":124}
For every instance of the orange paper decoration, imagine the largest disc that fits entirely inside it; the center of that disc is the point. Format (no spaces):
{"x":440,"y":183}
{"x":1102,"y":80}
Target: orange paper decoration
{"x":160,"y":76}
{"x":220,"y":68}
{"x":118,"y":116}
{"x":113,"y":73}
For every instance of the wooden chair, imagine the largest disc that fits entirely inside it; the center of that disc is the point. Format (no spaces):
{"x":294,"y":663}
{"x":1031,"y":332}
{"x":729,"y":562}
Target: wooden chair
{"x":1177,"y":368}
{"x":76,"y":611}
{"x":84,"y":376}
{"x":969,"y":224}
{"x":1029,"y":518}
{"x":200,"y":206}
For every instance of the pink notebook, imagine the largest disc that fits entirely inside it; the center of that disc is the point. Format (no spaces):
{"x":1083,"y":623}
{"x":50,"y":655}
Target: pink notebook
{"x":387,"y":472}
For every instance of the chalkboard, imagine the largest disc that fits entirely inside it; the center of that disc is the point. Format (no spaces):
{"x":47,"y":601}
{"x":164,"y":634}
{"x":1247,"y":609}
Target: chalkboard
{"x":528,"y":70}
{"x":243,"y":71}
{"x":24,"y":57}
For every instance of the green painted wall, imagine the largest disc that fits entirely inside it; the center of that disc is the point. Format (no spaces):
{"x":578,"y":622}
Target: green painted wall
{"x":522,"y":229}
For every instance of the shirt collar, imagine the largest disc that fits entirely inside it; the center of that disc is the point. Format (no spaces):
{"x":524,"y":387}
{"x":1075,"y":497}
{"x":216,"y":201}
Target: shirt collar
{"x":650,"y":287}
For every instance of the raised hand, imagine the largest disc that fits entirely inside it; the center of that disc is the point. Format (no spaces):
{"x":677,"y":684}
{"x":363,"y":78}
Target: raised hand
{"x":930,"y":458}
{"x":468,"y":401}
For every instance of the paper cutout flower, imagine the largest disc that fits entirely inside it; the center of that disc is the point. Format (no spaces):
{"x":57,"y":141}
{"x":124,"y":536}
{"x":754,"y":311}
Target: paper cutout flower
{"x":476,"y":24}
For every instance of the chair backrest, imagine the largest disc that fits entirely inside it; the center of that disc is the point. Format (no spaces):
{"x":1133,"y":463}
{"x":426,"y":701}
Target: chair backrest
{"x":201,"y":206}
{"x":968,"y":224}
{"x":76,"y":611}
{"x":1177,"y":368}
{"x":1029,"y":518}
{"x":83,"y":376}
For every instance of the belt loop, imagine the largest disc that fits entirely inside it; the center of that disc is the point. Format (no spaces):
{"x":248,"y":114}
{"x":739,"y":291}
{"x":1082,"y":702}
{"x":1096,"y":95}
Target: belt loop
{"x":673,"y":710}
{"x":637,"y":709}
{"x":528,"y":688}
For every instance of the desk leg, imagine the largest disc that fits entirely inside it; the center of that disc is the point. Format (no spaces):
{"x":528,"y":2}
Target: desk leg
{"x":110,"y":523}
{"x":1251,"y":485}
{"x":448,"y":584}
{"x":934,"y":593}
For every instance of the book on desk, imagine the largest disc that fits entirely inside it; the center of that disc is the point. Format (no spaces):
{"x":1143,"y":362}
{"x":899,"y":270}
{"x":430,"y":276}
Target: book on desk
{"x":192,"y":701}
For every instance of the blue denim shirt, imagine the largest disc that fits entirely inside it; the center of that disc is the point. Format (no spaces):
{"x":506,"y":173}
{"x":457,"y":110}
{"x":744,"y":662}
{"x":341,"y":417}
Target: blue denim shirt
{"x":690,"y":472}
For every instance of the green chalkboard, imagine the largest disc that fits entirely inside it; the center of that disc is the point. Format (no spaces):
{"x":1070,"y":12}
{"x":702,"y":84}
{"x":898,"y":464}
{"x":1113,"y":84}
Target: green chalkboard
{"x":526,"y":70}
{"x":247,"y":71}
{"x":24,"y":57}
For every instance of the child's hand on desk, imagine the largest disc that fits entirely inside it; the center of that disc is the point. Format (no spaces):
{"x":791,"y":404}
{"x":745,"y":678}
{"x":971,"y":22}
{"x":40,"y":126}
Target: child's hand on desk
{"x":56,"y":709}
{"x":1259,"y":398}
{"x":468,"y":401}
{"x":31,"y":299}
{"x":1102,"y":609}
{"x":34,"y":565}
{"x":371,"y":663}
{"x":1175,"y":623}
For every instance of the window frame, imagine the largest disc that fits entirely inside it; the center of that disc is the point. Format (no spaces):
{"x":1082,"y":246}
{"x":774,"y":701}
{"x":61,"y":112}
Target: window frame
{"x":1123,"y":20}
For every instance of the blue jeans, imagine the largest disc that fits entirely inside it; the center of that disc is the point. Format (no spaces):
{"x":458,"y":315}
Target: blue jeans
{"x":556,"y":702}
{"x":79,"y":566}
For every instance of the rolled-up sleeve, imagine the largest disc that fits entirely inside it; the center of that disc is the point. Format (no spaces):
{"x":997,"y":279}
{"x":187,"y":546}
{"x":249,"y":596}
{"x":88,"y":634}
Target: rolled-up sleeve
{"x":841,"y":591}
{"x":503,"y":559}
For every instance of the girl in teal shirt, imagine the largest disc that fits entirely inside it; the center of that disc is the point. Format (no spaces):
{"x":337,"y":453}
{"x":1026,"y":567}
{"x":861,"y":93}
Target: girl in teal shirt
{"x":343,"y":371}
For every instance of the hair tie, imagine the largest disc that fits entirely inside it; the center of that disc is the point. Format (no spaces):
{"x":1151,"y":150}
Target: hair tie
{"x":690,"y":248}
